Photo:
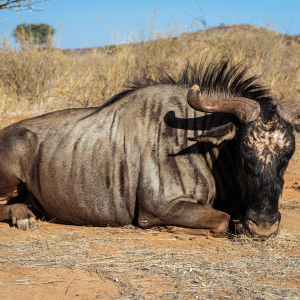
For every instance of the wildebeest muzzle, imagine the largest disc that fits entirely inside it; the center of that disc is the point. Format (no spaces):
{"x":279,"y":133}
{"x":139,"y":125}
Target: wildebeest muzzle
{"x":261,"y":224}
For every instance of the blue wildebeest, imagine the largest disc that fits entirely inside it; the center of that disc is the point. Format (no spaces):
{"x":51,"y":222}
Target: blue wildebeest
{"x":183,"y":152}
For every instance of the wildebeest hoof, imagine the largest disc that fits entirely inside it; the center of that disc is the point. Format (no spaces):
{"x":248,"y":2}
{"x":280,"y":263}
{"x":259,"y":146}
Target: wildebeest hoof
{"x":21,"y":216}
{"x":32,"y":223}
{"x":25,"y":224}
{"x":14,"y":220}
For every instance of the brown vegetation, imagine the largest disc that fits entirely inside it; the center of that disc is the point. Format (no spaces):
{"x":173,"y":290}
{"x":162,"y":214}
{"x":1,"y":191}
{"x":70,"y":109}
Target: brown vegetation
{"x":42,"y":78}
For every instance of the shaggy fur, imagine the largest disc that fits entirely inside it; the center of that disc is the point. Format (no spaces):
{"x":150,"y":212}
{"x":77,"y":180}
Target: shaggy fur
{"x":219,"y":78}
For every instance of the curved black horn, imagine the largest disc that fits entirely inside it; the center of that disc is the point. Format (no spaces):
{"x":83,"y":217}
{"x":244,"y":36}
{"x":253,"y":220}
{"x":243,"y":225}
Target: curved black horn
{"x":289,"y":111}
{"x":246,"y":110}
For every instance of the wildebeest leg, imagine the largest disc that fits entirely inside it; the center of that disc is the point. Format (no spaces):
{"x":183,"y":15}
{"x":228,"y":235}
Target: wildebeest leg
{"x":189,"y":215}
{"x":16,"y":211}
{"x":16,"y":151}
{"x":21,"y":195}
{"x":19,"y":214}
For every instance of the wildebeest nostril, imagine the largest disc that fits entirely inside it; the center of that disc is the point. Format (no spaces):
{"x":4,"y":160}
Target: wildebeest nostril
{"x":264,"y":229}
{"x":259,"y":217}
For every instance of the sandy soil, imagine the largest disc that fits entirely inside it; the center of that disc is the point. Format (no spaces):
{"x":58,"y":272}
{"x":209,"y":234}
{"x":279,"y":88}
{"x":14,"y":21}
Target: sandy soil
{"x":68,"y":262}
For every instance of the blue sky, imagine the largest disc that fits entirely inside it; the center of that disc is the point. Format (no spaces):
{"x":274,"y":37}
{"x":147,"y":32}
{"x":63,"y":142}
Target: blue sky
{"x":80,"y":26}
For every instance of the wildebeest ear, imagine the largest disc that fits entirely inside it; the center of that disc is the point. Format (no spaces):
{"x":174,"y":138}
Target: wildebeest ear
{"x":297,"y":128}
{"x":217,"y":135}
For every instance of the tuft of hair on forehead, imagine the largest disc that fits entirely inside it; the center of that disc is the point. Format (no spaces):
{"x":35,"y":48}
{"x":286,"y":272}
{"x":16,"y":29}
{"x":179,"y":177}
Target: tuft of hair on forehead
{"x":268,"y":140}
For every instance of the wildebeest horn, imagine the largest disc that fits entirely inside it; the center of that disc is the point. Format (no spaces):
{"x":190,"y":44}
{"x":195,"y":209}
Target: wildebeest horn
{"x":289,"y":111}
{"x":246,"y":110}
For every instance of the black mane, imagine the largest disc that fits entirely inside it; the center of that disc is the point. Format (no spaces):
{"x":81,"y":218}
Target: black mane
{"x":219,"y":77}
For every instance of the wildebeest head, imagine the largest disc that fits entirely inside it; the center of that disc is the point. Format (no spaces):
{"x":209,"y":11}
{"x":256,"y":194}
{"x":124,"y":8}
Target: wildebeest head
{"x":266,"y":142}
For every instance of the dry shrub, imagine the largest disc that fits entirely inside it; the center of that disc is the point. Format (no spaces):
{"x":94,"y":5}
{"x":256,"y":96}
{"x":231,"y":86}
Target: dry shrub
{"x":271,"y":56}
{"x":88,"y":81}
{"x":27,"y":72}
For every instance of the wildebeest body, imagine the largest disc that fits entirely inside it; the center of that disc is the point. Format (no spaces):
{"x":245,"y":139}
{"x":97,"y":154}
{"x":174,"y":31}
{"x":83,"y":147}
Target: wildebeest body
{"x":147,"y":157}
{"x":95,"y":171}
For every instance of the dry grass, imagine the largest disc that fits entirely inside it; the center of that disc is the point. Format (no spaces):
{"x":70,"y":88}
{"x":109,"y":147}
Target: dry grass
{"x":49,"y":79}
{"x":291,"y":205}
{"x":27,"y":73}
{"x":28,"y":76}
{"x":239,"y":268}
